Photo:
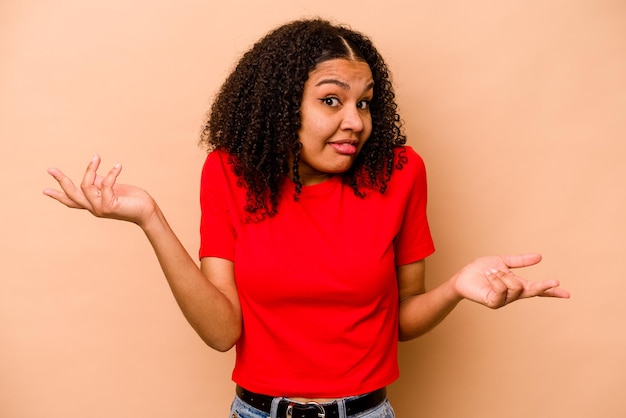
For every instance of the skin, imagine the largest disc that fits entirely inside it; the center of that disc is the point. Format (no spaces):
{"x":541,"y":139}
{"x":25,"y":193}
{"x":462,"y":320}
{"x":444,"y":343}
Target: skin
{"x":334,"y":110}
{"x":336,"y":120}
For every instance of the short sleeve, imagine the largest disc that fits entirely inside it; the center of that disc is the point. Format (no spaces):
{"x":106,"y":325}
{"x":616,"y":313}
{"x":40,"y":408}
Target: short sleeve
{"x":217,"y":234}
{"x":414,"y":241}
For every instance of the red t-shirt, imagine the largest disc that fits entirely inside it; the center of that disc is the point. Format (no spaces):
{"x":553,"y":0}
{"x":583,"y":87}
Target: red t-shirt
{"x":317,"y":282}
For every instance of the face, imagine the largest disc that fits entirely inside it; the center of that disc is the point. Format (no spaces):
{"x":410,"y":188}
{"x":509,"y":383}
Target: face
{"x":336,"y":120}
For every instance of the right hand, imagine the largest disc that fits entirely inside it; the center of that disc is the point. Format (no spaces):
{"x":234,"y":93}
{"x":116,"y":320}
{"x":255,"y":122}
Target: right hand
{"x":102,"y":196}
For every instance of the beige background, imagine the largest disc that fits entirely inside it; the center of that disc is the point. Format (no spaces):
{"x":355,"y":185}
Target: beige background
{"x":518,"y":107}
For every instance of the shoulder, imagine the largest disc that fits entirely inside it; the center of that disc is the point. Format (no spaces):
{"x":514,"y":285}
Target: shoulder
{"x":216,"y":157}
{"x":217,"y":161}
{"x":217,"y":171}
{"x":409,"y":172}
{"x":407,"y":160}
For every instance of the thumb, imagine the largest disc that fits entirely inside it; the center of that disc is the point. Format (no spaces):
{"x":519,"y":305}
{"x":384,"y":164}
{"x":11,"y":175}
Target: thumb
{"x":521,"y":260}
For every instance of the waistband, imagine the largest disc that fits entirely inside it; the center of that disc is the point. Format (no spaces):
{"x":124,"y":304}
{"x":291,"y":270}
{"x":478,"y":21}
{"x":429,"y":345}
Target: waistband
{"x":291,"y":409}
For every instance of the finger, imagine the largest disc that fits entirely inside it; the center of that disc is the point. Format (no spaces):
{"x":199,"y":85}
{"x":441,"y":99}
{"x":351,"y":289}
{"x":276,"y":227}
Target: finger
{"x":70,"y":195}
{"x":98,"y":181}
{"x":521,"y":260}
{"x":497,"y":296}
{"x":88,"y":186}
{"x":514,"y":286}
{"x":107,"y":182}
{"x":61,"y":197}
{"x":557,"y":292}
{"x":546,"y":288}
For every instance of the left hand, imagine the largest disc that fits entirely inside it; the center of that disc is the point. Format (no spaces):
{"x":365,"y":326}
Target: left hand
{"x":490,"y":282}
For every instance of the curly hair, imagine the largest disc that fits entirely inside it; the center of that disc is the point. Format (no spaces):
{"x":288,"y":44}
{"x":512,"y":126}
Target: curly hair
{"x":256,"y":117}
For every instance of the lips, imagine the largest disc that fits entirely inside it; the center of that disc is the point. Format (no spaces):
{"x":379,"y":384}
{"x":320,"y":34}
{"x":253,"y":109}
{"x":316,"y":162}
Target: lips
{"x":344,"y":147}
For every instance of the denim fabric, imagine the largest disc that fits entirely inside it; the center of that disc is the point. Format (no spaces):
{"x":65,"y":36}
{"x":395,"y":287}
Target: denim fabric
{"x":384,"y":410}
{"x":240,"y":409}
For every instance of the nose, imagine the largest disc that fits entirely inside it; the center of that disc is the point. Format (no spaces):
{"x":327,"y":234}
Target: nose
{"x":353,"y":119}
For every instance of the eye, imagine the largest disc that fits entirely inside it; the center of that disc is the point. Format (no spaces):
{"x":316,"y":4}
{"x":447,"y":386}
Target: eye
{"x":363,"y":105}
{"x":331,"y":101}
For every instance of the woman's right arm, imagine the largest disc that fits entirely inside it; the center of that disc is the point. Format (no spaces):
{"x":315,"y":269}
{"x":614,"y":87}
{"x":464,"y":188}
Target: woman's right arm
{"x":207,"y":295}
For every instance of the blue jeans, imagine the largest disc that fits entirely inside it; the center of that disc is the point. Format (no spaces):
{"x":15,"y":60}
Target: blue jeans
{"x":240,"y":409}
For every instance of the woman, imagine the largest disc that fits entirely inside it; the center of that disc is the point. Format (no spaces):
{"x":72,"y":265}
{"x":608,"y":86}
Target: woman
{"x":313,"y":230}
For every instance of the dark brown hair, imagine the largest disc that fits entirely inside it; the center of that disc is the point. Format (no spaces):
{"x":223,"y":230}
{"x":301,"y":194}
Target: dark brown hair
{"x":256,"y":114}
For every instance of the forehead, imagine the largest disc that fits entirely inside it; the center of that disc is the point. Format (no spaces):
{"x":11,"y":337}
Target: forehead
{"x":341,"y":69}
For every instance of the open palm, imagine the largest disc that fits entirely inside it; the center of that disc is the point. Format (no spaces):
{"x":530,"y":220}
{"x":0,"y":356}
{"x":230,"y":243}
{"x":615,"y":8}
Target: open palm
{"x":490,"y":281}
{"x":102,"y":195}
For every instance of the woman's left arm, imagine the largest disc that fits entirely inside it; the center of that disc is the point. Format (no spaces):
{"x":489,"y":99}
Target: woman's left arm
{"x":487,"y":280}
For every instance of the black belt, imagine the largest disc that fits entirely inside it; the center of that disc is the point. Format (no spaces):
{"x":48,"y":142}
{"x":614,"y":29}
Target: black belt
{"x":312,"y":410}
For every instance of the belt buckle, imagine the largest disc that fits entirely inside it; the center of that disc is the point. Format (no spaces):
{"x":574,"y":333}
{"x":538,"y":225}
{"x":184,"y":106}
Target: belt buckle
{"x":320,"y":414}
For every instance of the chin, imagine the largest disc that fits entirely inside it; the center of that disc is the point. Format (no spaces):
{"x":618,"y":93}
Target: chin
{"x":339,"y":169}
{"x":338,"y":172}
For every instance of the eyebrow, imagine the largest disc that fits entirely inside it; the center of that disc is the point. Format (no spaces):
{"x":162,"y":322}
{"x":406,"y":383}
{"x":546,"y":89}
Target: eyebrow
{"x":341,"y":84}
